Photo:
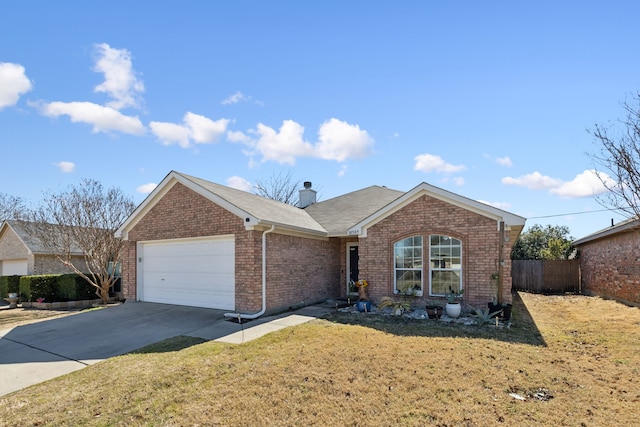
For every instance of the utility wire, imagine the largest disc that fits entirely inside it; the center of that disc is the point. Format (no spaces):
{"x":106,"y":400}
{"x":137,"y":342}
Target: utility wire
{"x":575,"y":213}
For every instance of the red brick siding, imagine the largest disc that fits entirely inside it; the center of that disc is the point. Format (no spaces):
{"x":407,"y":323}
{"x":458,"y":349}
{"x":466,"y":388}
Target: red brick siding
{"x":301,"y":271}
{"x":183,"y":213}
{"x":425,"y":216}
{"x":610,"y":267}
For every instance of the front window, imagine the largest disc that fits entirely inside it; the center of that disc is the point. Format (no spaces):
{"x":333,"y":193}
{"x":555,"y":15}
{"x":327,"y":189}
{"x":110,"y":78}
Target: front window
{"x":408,"y":266}
{"x":445,"y":259}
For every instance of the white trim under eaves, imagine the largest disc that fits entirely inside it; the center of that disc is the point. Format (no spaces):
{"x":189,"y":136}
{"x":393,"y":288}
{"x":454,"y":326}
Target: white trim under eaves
{"x":360,"y":229}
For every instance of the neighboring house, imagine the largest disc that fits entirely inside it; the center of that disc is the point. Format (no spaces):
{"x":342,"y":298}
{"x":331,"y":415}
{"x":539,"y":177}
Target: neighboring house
{"x":610,"y":262}
{"x":194,"y":242}
{"x":23,"y":254}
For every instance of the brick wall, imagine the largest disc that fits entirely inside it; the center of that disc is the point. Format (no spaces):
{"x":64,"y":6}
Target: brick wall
{"x":610,"y":267}
{"x":425,"y":216}
{"x":50,"y":264}
{"x":183,"y":213}
{"x":299,"y":270}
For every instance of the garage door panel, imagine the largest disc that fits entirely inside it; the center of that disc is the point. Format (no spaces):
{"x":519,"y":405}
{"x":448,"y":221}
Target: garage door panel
{"x":197,"y":273}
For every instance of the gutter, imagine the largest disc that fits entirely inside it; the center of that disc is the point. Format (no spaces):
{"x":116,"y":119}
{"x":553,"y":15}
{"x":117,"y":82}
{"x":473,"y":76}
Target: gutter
{"x":264,"y":282}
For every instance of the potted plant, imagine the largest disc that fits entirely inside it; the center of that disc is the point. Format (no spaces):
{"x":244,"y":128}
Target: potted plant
{"x":363,"y":303}
{"x":453,"y":307}
{"x":434,"y":311}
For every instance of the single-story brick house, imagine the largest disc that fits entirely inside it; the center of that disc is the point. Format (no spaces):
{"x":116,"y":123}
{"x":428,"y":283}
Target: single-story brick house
{"x":610,"y":262}
{"x":22,"y":254}
{"x":194,"y":242}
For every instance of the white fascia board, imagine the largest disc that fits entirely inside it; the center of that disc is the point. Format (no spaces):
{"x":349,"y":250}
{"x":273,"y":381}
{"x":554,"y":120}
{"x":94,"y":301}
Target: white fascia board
{"x":626,"y":225}
{"x":167,"y":183}
{"x":483,"y":209}
{"x":298,"y":231}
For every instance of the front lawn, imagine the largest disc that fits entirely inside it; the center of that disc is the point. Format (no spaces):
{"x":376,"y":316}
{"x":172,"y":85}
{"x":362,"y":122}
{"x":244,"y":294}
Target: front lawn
{"x":567,"y":360}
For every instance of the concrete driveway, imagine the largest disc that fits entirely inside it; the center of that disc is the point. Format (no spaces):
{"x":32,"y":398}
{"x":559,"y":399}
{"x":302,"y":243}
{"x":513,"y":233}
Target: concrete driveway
{"x":36,"y":352}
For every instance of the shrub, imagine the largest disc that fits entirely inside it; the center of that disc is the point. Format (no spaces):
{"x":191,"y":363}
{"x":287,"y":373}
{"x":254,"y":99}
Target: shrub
{"x":56,"y":287}
{"x":9,"y":284}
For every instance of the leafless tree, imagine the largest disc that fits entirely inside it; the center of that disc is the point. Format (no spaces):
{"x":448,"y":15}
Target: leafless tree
{"x":84,"y":219}
{"x":618,"y":160}
{"x":281,"y":187}
{"x":11,"y":207}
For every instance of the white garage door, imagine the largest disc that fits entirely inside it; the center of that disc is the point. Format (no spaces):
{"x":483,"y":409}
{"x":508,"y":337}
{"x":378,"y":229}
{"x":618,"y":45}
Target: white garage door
{"x":194,"y":272}
{"x":16,"y":267}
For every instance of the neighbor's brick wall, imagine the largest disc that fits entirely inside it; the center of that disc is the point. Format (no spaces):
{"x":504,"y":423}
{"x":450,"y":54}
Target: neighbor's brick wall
{"x":183,"y":213}
{"x":610,"y":267}
{"x":301,"y":271}
{"x":49,"y":264}
{"x":425,"y":216}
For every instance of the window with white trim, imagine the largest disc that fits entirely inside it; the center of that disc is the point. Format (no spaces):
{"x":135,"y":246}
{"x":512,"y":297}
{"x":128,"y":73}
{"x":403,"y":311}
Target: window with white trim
{"x":445,"y":263}
{"x":407,"y":257}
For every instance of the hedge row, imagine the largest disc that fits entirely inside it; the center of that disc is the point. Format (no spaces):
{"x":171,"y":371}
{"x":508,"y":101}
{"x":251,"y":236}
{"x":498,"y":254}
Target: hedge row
{"x":9,"y":284}
{"x":50,"y":287}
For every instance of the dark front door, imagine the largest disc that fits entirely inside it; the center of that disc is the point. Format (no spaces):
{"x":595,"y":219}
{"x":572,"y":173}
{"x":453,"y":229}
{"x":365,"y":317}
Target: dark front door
{"x":353,"y":267}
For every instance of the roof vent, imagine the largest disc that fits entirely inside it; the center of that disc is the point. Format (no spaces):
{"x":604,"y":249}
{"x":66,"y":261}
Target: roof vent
{"x":307,"y":195}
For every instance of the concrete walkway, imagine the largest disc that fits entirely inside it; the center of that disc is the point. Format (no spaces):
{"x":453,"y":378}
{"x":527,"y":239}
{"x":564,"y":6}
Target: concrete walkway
{"x":36,"y":352}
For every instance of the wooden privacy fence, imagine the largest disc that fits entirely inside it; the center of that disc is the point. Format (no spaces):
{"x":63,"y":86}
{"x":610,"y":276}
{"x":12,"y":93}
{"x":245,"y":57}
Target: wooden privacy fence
{"x":546,"y":276}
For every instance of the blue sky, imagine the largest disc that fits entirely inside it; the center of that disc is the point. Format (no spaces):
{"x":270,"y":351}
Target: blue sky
{"x":491,"y":100}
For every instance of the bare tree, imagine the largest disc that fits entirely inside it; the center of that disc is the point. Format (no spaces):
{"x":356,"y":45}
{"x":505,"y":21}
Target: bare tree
{"x":84,"y":219}
{"x":619,"y":161}
{"x":281,"y":187}
{"x":11,"y":207}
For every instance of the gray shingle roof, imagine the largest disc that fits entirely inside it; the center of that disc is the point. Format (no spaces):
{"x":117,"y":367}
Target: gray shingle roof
{"x":270,"y":211}
{"x":33,"y":243}
{"x":339,"y":214}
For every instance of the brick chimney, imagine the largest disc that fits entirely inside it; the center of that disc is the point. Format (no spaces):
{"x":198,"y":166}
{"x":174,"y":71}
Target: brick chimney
{"x":307,"y":195}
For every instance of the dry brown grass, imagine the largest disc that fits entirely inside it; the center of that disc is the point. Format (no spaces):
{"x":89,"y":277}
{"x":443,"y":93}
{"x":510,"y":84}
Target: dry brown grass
{"x":584,"y":352}
{"x":12,"y":317}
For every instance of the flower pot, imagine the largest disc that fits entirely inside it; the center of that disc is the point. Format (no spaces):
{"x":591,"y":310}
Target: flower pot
{"x":364,"y":306}
{"x":434,"y":312}
{"x":495,"y":308}
{"x":453,"y":309}
{"x":506,"y":312}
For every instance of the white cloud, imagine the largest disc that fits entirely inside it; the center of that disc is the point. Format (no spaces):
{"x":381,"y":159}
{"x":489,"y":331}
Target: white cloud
{"x":584,"y":184}
{"x":194,"y":128}
{"x":103,"y":119}
{"x":66,"y":167}
{"x":282,"y":146}
{"x":499,"y":205}
{"x":504,"y":161}
{"x":146,"y":188}
{"x":458,"y":180}
{"x":13,"y":83}
{"x":431,"y":163}
{"x":171,"y":133}
{"x":340,"y":141}
{"x":533,"y":181}
{"x":343,"y":170}
{"x":204,"y":130}
{"x":238,"y":136}
{"x":239,"y":183}
{"x":337,"y":140}
{"x":235,"y":98}
{"x":120,"y":81}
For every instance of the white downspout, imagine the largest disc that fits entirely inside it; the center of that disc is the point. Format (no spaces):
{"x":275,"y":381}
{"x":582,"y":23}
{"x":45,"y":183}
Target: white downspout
{"x":264,"y":282}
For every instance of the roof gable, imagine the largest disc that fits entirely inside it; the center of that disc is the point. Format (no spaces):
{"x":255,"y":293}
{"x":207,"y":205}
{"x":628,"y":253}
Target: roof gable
{"x":32,"y":243}
{"x":624,"y":226}
{"x":510,"y":220}
{"x":254,"y":209}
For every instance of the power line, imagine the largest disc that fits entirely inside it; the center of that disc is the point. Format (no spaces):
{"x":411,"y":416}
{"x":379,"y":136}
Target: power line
{"x":575,"y":213}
